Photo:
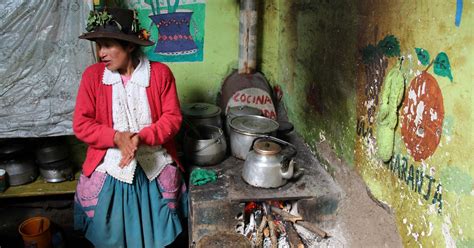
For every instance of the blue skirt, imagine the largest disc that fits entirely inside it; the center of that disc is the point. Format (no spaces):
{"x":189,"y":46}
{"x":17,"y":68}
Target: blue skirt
{"x":112,"y":213}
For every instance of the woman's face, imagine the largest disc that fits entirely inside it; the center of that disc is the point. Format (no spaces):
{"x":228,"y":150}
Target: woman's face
{"x":115,"y":57}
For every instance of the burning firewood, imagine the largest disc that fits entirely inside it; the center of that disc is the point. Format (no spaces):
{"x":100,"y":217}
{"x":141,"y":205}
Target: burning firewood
{"x":259,"y":238}
{"x":250,"y":227}
{"x":293,"y":238}
{"x":298,"y":219}
{"x":309,"y":238}
{"x":271,"y":225}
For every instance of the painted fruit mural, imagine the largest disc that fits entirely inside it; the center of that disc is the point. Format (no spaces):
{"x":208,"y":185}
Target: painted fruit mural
{"x":422,"y":116}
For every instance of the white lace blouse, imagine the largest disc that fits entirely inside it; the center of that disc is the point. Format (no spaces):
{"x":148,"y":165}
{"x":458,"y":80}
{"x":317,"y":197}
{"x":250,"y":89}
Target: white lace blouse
{"x":131,"y":112}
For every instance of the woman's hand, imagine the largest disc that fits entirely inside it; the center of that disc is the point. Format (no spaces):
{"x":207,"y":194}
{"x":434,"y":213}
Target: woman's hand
{"x":126,"y":160}
{"x":127,"y":143}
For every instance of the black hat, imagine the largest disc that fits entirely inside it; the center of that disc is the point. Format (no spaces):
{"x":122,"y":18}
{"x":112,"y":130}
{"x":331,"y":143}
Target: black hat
{"x":116,"y":23}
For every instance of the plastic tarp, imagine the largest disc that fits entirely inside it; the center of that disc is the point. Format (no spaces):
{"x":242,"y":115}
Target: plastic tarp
{"x":41,"y":65}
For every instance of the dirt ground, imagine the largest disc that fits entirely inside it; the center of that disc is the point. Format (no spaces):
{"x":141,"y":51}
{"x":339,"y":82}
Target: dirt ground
{"x":361,"y":220}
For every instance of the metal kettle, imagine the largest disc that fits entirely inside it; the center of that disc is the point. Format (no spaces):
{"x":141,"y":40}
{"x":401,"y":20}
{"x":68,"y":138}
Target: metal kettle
{"x":268,"y":165}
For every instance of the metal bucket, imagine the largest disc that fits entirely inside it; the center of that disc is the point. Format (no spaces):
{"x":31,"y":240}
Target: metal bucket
{"x":204,"y":145}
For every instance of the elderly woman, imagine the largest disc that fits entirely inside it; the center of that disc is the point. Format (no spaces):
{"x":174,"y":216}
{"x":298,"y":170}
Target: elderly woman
{"x":130,"y":193}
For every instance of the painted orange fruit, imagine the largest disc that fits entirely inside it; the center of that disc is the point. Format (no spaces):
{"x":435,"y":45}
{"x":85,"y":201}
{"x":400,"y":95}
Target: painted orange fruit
{"x":422,"y":116}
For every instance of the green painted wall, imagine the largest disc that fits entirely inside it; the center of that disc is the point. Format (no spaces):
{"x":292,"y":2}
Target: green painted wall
{"x":430,"y":25}
{"x":308,"y":49}
{"x":314,"y":51}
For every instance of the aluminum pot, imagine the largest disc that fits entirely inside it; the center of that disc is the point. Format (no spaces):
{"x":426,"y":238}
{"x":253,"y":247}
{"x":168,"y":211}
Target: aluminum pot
{"x":10,"y":149}
{"x":58,"y":171}
{"x":205,"y":145}
{"x":196,"y":114}
{"x":239,"y":111}
{"x":267,"y":165}
{"x":20,"y":171}
{"x":245,"y":129}
{"x":51,"y":153}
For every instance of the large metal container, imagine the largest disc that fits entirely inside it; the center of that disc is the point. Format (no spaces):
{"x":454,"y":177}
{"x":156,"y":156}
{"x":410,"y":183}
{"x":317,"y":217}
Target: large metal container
{"x":239,"y":111}
{"x":205,"y":145}
{"x":51,"y":153}
{"x":245,"y":129}
{"x":57,"y":171}
{"x":10,"y":149}
{"x":20,"y":171}
{"x":196,"y":114}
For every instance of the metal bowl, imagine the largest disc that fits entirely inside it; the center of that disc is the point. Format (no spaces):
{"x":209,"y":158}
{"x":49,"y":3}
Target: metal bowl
{"x":58,"y":171}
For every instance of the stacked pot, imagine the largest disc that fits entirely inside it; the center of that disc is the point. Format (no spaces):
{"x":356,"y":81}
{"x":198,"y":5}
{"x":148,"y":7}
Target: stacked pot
{"x":16,"y":163}
{"x":204,"y":140}
{"x":53,"y":160}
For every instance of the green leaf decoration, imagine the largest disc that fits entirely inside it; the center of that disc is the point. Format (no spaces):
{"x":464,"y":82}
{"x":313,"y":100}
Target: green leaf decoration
{"x":96,"y":19}
{"x":442,"y":66}
{"x":389,"y":46}
{"x":423,"y":56}
{"x":369,"y":54}
{"x":91,"y":21}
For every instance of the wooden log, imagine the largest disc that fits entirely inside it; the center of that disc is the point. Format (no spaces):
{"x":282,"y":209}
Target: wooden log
{"x":293,"y":238}
{"x":271,"y":225}
{"x":259,"y":235}
{"x":298,"y":219}
{"x":313,"y":228}
{"x":309,"y":238}
{"x":285,"y":215}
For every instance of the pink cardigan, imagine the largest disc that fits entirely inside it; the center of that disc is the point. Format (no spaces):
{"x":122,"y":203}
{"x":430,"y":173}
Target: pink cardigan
{"x":92,"y":121}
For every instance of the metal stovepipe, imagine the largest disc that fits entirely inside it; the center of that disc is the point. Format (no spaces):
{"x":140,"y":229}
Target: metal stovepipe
{"x":248,"y":37}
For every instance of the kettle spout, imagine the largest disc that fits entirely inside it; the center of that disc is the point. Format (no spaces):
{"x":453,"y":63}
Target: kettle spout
{"x":289,"y":173}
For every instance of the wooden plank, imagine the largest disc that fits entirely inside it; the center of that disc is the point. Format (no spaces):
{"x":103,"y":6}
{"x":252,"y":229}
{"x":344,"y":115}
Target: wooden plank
{"x":41,"y":188}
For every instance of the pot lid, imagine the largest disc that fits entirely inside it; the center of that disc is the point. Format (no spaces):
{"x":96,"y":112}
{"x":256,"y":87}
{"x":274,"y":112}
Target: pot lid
{"x":266,"y":147}
{"x":254,"y":124}
{"x":11,"y":147}
{"x":244,"y":110}
{"x":200,"y":110}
